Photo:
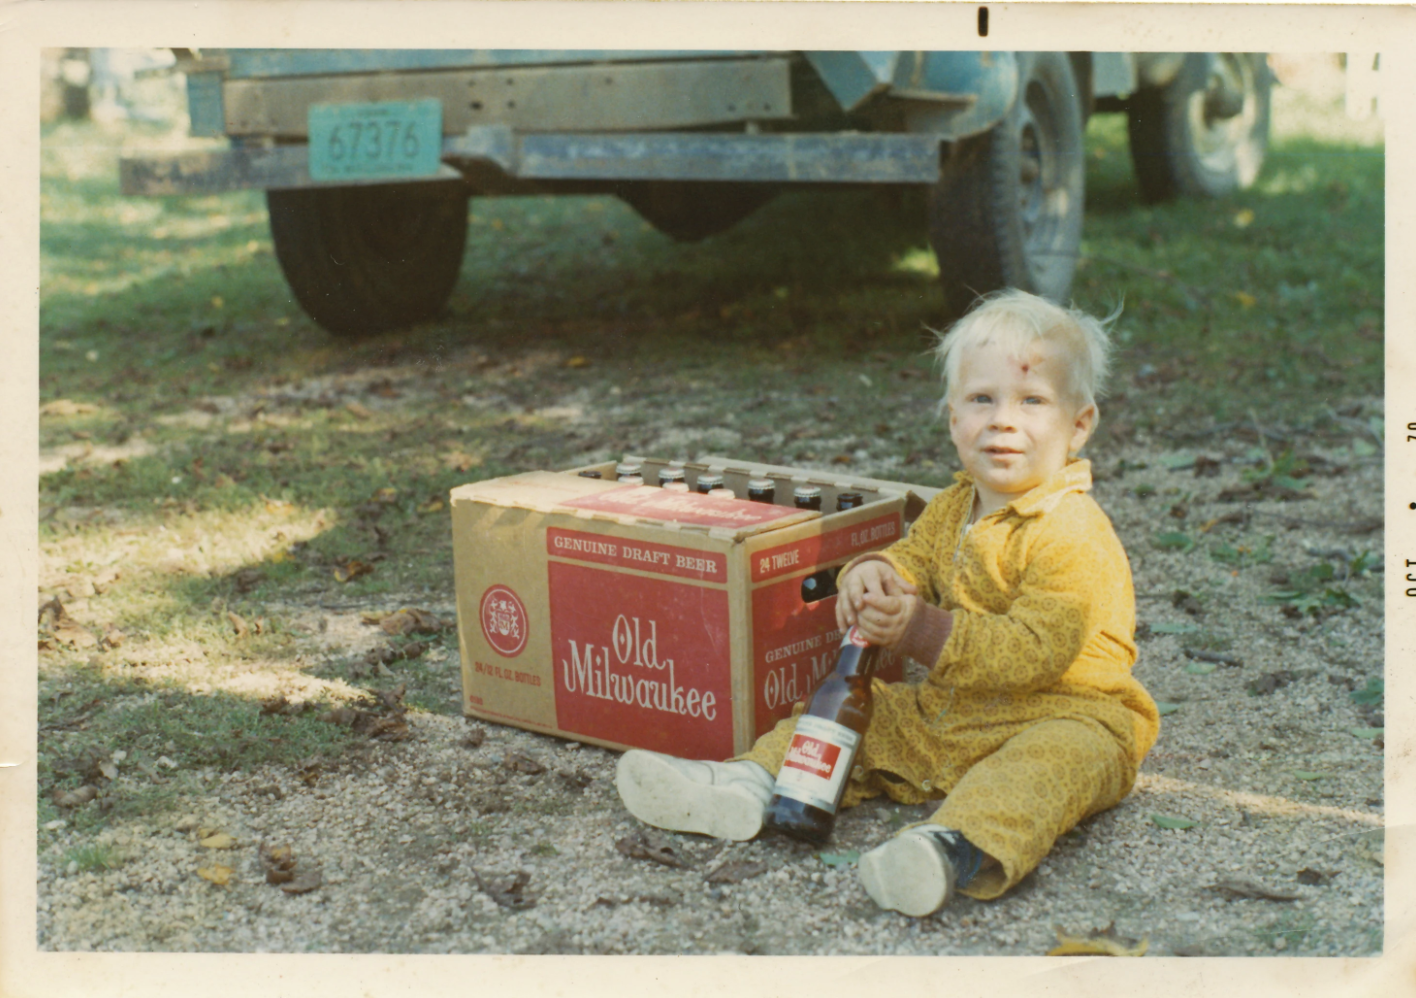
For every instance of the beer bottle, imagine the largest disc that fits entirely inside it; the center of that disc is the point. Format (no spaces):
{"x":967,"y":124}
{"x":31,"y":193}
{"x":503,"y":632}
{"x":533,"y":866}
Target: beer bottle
{"x":807,"y":497}
{"x":631,"y":480}
{"x":819,"y":586}
{"x":722,"y":493}
{"x":762,"y":490}
{"x":679,"y":486}
{"x":823,"y":749}
{"x":707,"y":483}
{"x":849,"y":500}
{"x":669,"y":474}
{"x":629,"y":469}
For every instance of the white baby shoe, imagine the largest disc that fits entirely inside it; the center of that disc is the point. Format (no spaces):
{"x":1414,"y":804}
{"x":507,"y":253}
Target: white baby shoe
{"x":917,"y":872}
{"x":726,"y":800}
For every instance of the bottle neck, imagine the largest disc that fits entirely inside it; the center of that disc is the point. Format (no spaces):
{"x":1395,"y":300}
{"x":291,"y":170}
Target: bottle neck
{"x":855,"y":660}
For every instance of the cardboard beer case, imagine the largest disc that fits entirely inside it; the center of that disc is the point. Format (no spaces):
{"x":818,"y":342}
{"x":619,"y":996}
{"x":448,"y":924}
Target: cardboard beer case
{"x":635,"y":617}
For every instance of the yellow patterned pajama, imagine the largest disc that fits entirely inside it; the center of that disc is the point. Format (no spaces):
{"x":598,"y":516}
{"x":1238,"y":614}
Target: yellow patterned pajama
{"x":1030,"y":721}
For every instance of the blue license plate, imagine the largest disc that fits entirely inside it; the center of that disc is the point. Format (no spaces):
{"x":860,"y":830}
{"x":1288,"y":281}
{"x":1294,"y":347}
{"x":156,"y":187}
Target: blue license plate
{"x":386,"y":140}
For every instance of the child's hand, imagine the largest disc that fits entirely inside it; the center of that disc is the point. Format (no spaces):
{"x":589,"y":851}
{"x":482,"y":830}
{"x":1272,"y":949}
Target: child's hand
{"x":884,"y":619}
{"x":874,"y":577}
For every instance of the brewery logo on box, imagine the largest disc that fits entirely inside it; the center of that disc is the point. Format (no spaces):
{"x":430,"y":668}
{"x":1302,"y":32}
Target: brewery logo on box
{"x":504,"y":622}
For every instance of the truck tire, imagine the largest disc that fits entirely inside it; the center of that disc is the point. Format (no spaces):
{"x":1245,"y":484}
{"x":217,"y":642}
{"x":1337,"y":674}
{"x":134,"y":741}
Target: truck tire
{"x":362,"y":260}
{"x":688,"y":212}
{"x":1205,"y":134}
{"x":1008,"y":210}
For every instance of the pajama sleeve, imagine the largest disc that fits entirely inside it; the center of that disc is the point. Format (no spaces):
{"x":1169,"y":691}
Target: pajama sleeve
{"x":1065,"y":576}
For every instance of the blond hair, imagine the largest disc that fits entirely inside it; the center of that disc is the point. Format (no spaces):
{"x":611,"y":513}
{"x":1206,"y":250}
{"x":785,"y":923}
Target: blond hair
{"x":1015,"y":320}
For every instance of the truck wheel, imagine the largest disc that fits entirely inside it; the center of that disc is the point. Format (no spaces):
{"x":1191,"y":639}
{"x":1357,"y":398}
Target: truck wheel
{"x":687,"y":212}
{"x":1008,"y":210}
{"x":361,"y":260}
{"x":1204,"y":134}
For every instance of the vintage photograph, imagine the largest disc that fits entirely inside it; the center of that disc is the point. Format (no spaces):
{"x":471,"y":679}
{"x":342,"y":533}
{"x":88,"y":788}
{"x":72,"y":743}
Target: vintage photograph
{"x":671,"y":501}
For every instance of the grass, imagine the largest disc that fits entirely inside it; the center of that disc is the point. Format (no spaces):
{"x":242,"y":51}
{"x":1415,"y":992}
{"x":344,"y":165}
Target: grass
{"x":92,"y":858}
{"x":236,"y":458}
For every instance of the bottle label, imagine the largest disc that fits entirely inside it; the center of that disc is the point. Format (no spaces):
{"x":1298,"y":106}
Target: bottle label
{"x":818,"y":762}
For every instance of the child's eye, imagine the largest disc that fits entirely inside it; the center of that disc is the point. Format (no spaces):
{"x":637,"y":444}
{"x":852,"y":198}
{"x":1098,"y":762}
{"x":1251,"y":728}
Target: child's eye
{"x":982,"y":399}
{"x":1035,"y":400}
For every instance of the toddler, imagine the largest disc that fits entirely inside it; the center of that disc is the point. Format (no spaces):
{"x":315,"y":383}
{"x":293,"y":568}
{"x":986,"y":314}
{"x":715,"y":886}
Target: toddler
{"x":1014,"y":590}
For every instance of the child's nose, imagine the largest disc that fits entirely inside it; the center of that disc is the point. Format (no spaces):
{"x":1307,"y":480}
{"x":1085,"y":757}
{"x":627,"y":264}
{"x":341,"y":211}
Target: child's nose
{"x":1004,"y":416}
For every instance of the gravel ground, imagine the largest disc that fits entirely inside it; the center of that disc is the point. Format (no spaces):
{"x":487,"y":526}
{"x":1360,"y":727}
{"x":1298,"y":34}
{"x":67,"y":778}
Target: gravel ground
{"x":446,"y":844}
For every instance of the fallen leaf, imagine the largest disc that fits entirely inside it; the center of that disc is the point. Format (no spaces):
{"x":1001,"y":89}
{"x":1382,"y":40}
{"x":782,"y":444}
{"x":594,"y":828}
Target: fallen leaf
{"x":386,"y":495}
{"x":1315,"y":878}
{"x":1235,"y":887}
{"x":1269,"y":682}
{"x":278,"y":862}
{"x":1206,"y":467}
{"x":574,"y":781}
{"x":1245,"y":299}
{"x":1174,"y":540}
{"x":1243,"y":219}
{"x":217,"y":873}
{"x":238,"y":624}
{"x":475,"y":738}
{"x":1200,"y":668}
{"x":1308,"y":776}
{"x":649,"y":845}
{"x":74,"y":798}
{"x":341,"y":715}
{"x":67,"y":407}
{"x":509,"y":892}
{"x":408,"y":620}
{"x":218,"y":841}
{"x":578,"y":361}
{"x":1367,"y":733}
{"x":309,"y":771}
{"x":1214,"y":658}
{"x":841,"y":459}
{"x":839,"y":859}
{"x":1166,"y":709}
{"x":352,"y":570}
{"x":390,"y":729}
{"x":461,"y":461}
{"x":1166,"y":821}
{"x":275,"y":705}
{"x":304,"y":882}
{"x":523,"y":764}
{"x":1104,"y":942}
{"x":431,"y":506}
{"x":358,"y":411}
{"x":736,"y":871}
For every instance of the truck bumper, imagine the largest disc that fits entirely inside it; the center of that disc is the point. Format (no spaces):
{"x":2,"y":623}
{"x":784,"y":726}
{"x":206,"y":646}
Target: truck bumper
{"x":496,"y":153}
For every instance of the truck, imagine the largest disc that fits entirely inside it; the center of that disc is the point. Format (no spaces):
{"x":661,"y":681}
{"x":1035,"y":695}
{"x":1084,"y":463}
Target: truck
{"x":369,"y":157}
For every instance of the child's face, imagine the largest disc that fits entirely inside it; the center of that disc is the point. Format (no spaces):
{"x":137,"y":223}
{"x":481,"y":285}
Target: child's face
{"x":1012,"y":419}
